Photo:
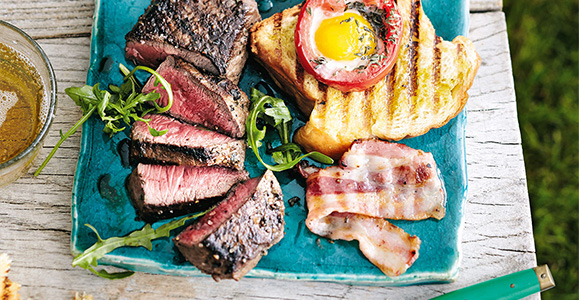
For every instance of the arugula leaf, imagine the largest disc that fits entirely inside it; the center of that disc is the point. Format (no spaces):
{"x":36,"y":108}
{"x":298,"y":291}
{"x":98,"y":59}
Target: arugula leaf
{"x":138,"y":238}
{"x":118,"y":105}
{"x":155,"y":132}
{"x":273,"y":112}
{"x":85,"y":92}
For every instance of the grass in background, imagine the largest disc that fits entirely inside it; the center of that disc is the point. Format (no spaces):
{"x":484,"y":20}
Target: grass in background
{"x":543,"y":37}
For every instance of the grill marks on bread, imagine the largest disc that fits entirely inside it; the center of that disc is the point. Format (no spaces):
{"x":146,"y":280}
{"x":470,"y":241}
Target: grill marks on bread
{"x":436,"y":72}
{"x":413,"y":50}
{"x":425,"y":89}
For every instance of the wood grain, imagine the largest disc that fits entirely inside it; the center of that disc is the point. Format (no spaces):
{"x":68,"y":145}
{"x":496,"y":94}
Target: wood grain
{"x":35,"y":212}
{"x":46,"y":19}
{"x":486,"y":5}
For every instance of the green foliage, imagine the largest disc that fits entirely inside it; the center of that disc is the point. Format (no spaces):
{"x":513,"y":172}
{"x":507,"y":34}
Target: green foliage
{"x":544,"y":46}
{"x":138,"y":238}
{"x":121,"y":105}
{"x":273,"y":112}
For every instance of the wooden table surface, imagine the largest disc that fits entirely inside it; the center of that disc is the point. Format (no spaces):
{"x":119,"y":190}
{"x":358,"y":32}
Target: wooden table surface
{"x":35,"y":220}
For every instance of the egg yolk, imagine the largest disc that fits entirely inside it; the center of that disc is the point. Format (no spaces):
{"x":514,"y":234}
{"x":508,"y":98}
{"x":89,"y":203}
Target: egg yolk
{"x":345,"y":37}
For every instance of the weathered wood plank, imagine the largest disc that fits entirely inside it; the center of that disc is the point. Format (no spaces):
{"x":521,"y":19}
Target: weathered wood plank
{"x":486,"y":5}
{"x":65,"y":18}
{"x":49,"y":18}
{"x":497,"y":237}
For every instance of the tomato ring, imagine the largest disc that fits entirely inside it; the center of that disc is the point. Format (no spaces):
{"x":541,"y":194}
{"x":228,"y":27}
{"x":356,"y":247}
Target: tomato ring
{"x":388,"y":30}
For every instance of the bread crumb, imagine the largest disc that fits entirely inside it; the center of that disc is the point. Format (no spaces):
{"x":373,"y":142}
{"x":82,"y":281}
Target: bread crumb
{"x":84,"y":296}
{"x":8,"y":289}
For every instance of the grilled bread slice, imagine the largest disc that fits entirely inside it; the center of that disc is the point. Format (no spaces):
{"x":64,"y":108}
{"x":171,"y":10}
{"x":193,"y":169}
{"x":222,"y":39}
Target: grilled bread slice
{"x":426,"y":88}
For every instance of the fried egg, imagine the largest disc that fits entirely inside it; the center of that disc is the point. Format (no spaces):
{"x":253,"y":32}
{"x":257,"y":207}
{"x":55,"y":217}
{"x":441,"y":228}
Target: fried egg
{"x":343,"y":39}
{"x":348,"y":45}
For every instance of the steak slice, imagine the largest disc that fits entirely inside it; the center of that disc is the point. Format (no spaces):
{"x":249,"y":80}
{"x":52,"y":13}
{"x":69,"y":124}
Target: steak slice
{"x":199,"y":98}
{"x":231,"y":239}
{"x":161,"y":192}
{"x":212,"y":35}
{"x":184,"y":144}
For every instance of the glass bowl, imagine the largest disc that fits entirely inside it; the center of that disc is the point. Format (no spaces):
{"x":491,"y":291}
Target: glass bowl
{"x":22,"y":43}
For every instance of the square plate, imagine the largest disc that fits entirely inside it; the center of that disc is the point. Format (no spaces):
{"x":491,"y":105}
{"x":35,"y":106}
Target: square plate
{"x":100,"y":199}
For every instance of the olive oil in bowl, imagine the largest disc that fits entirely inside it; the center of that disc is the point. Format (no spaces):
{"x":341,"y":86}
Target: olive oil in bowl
{"x":27,"y":101}
{"x":21,"y":94}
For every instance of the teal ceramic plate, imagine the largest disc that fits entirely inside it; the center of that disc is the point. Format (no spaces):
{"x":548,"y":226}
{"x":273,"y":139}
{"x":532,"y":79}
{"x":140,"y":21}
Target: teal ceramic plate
{"x":99,"y":196}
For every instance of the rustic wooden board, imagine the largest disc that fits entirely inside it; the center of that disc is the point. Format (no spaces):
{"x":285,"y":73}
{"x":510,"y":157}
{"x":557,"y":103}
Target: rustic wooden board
{"x":486,"y":5}
{"x":50,"y":19}
{"x":35,"y":212}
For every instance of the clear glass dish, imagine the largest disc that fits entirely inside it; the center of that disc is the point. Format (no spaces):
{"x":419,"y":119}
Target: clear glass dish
{"x":22,"y":43}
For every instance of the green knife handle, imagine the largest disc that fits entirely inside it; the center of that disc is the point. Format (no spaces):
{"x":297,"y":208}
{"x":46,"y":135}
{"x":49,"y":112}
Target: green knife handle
{"x":512,"y":286}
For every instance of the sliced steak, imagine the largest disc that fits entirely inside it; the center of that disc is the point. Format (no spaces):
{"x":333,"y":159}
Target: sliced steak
{"x":161,"y":192}
{"x":184,"y":144}
{"x":212,"y":35}
{"x":199,"y":98}
{"x":231,"y":239}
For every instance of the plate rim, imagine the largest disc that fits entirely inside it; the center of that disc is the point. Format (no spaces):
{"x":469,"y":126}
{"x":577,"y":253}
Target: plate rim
{"x":143,"y":265}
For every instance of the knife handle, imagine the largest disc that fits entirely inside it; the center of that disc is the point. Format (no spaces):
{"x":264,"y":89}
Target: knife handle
{"x":512,"y":286}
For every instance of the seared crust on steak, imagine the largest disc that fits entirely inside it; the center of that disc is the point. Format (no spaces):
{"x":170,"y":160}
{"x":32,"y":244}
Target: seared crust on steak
{"x":231,"y":239}
{"x":161,"y":192}
{"x":230,"y":155}
{"x":426,"y":88}
{"x":199,"y":98}
{"x":183,"y":144}
{"x":212,"y":35}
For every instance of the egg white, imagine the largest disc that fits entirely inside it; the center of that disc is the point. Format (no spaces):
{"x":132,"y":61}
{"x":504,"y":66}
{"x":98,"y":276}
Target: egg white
{"x":331,"y":66}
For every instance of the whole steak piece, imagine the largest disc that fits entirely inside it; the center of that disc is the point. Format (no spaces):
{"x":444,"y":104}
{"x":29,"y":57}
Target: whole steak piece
{"x":184,"y":144}
{"x":211,"y":34}
{"x":199,"y":98}
{"x":161,"y":192}
{"x":231,"y":239}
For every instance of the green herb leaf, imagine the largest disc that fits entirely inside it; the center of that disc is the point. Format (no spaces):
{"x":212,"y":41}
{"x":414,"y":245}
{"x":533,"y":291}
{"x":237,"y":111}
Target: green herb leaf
{"x":155,"y":132}
{"x":273,"y":112}
{"x":158,"y":79}
{"x":279,"y":157}
{"x":319,"y":157}
{"x":123,"y":104}
{"x":78,"y":94}
{"x":64,"y":137}
{"x":106,"y":97}
{"x":107,"y":275}
{"x":138,"y":238}
{"x":278,"y":113}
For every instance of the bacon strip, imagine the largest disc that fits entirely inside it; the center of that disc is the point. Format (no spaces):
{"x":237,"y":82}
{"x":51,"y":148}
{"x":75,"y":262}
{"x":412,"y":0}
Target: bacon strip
{"x":376,"y":180}
{"x":387,"y":246}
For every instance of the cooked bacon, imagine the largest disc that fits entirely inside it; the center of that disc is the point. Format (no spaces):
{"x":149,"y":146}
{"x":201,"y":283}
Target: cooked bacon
{"x":388,"y":247}
{"x":375,"y":180}
{"x":379,"y":179}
